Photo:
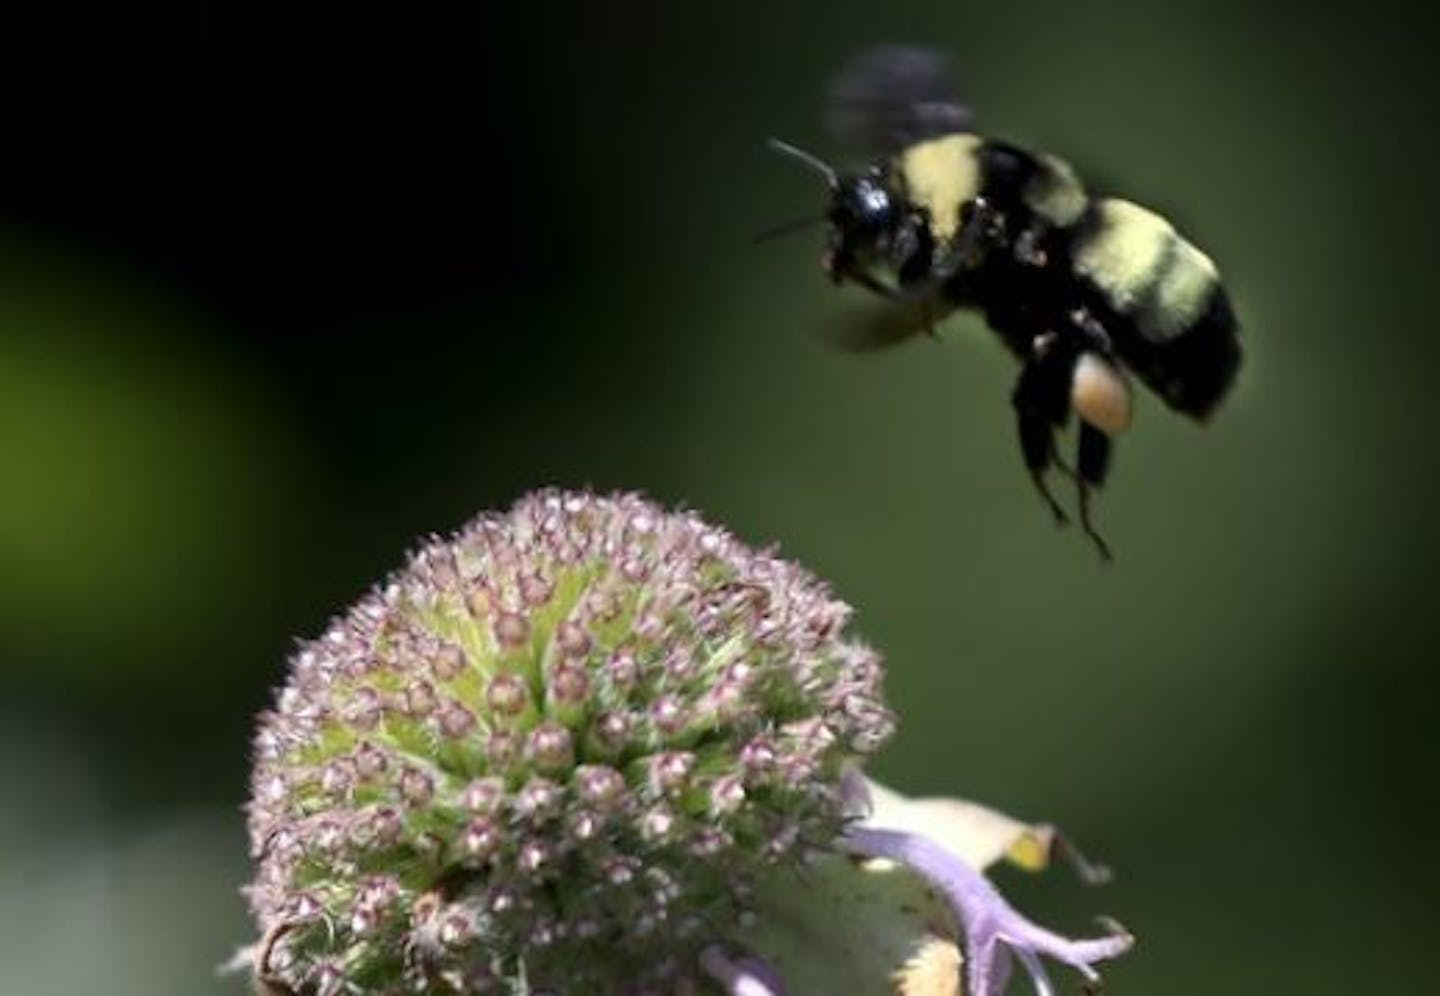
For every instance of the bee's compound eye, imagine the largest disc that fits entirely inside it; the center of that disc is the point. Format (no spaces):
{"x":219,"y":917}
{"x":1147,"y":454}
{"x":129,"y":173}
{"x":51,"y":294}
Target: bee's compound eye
{"x":873,"y":199}
{"x":1100,"y":394}
{"x":863,"y":207}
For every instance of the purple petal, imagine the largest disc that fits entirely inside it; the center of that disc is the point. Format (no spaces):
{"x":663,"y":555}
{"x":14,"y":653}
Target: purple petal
{"x":743,"y":976}
{"x":993,"y":929}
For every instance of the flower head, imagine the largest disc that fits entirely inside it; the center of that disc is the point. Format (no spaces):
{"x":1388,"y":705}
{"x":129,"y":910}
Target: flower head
{"x":555,"y":747}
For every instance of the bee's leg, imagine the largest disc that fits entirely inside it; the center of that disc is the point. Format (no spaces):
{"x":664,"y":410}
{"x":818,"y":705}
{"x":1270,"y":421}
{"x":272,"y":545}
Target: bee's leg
{"x":1063,"y":465}
{"x":912,"y":254}
{"x":1035,"y":398}
{"x":1042,"y":402}
{"x":1093,"y":462}
{"x":923,"y":269}
{"x":979,"y":223}
{"x":1037,"y":445}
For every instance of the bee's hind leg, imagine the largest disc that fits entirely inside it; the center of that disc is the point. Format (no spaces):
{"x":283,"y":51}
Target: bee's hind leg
{"x":1040,"y":404}
{"x":1092,"y":463}
{"x":1037,"y":445}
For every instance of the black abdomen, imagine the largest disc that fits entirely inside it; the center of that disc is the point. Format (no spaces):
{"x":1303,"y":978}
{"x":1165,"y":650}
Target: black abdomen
{"x":1161,"y":300}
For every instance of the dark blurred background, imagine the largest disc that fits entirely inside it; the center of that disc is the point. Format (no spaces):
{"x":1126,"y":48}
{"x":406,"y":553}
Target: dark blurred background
{"x":282,"y":289}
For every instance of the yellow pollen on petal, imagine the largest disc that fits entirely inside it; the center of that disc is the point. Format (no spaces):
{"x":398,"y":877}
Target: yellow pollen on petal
{"x":933,"y":971}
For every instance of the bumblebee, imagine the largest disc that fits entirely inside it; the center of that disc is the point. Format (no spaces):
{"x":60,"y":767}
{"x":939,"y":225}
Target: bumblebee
{"x":1080,"y":288}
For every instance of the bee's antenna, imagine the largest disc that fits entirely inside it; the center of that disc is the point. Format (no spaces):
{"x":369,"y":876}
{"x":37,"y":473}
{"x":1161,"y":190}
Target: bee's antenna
{"x":786,"y":227}
{"x":832,"y":179}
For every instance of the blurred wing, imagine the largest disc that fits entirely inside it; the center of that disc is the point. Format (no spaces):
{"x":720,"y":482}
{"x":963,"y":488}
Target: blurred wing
{"x":892,"y":96}
{"x":881,"y":324}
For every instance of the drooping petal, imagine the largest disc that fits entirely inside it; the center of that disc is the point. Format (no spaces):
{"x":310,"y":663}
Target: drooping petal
{"x":979,"y":835}
{"x":992,"y":929}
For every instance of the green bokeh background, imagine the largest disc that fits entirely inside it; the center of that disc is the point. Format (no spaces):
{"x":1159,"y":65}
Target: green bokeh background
{"x":206,"y":453}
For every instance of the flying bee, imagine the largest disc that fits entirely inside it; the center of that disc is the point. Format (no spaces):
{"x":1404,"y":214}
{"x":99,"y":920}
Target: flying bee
{"x":1080,"y":288}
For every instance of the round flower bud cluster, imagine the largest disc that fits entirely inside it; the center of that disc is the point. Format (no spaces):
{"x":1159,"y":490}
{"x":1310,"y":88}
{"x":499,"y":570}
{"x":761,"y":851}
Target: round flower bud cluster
{"x":552,"y":752}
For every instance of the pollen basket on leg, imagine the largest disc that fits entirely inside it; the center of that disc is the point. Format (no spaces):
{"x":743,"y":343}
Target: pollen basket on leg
{"x":1100,"y":394}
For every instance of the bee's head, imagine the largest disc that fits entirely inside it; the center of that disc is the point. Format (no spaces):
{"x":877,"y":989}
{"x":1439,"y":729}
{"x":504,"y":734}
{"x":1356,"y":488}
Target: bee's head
{"x":862,"y":217}
{"x":862,"y":213}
